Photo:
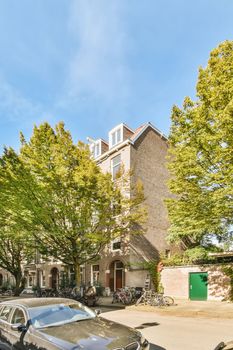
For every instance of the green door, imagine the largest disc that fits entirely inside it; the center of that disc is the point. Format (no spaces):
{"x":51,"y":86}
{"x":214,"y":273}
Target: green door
{"x":198,"y":282}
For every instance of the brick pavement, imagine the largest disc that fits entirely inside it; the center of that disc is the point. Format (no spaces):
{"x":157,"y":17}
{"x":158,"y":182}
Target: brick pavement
{"x":183,"y":308}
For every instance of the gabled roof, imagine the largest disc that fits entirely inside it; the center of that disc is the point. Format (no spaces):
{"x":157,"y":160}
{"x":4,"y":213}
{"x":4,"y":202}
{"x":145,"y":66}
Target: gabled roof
{"x":139,"y":131}
{"x":131,"y":140}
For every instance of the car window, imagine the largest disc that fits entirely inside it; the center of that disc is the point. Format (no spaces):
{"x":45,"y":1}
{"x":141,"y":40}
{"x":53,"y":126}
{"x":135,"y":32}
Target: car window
{"x":18,"y":317}
{"x":5,"y":313}
{"x":51,"y":315}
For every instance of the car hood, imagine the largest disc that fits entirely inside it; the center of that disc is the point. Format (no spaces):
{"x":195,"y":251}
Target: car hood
{"x":97,"y":334}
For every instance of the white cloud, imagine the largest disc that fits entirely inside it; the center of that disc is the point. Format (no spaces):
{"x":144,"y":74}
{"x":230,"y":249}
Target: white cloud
{"x":98,"y":68}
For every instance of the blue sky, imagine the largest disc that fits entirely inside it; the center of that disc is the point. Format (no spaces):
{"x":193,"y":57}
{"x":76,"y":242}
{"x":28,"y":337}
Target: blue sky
{"x":97,"y":63}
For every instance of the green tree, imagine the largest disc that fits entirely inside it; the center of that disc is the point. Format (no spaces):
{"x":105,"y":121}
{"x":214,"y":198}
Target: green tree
{"x":201,"y":157}
{"x":74,"y":208}
{"x":16,"y":245}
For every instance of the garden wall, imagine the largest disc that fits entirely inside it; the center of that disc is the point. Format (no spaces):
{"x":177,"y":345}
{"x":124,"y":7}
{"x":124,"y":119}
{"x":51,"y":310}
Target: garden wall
{"x":175,"y":281}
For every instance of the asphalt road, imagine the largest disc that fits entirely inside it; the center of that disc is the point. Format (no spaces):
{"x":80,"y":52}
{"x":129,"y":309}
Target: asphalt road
{"x":176,"y":333}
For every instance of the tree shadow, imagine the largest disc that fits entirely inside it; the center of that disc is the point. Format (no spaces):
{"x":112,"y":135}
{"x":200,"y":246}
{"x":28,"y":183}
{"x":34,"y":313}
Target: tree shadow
{"x":146,"y":325}
{"x":156,"y":347}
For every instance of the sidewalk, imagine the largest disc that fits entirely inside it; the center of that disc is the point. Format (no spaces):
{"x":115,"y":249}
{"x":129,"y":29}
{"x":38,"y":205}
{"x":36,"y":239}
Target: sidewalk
{"x":182,"y":308}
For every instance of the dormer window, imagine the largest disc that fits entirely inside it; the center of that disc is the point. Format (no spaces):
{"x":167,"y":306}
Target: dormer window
{"x":95,"y":148}
{"x":116,"y":136}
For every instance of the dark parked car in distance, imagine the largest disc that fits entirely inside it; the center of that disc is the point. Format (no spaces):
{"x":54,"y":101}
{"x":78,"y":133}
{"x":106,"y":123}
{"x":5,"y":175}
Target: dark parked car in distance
{"x":224,"y":346}
{"x":59,"y":323}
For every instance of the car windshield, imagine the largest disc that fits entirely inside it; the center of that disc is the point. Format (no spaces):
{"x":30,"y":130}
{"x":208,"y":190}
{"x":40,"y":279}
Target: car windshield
{"x":55,"y":315}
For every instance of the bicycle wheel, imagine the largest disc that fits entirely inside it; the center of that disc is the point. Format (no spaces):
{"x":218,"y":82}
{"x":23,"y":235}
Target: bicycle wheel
{"x":168,"y":301}
{"x":140,"y":300}
{"x":154,"y":301}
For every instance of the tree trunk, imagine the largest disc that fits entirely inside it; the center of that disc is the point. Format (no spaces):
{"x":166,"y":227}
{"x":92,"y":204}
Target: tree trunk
{"x":77,"y":275}
{"x":18,"y":279}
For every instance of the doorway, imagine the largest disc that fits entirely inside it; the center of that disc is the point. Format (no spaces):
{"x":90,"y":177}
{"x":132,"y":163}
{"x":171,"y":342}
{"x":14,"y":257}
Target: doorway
{"x":198,"y":285}
{"x":117,"y":275}
{"x":54,"y":278}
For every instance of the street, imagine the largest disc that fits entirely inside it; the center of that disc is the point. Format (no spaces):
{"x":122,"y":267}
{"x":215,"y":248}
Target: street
{"x":176,"y":333}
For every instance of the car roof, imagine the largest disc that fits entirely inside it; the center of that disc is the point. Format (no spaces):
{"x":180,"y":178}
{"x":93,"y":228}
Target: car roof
{"x":35,"y":302}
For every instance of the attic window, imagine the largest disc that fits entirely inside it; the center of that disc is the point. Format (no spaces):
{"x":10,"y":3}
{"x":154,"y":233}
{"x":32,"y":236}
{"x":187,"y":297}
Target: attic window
{"x":95,"y":148}
{"x":116,"y":136}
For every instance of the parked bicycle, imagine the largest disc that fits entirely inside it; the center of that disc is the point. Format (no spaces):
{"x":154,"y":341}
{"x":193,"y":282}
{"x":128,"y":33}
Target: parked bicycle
{"x":6,"y":292}
{"x":152,"y":298}
{"x":126,"y":296}
{"x":46,"y":293}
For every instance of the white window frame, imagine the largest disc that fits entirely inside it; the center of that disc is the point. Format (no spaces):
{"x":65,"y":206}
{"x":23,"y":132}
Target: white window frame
{"x":32,"y":276}
{"x":114,"y":132}
{"x":112,"y":167}
{"x":42,"y":278}
{"x":93,"y":148}
{"x":97,"y":273}
{"x":116,"y":240}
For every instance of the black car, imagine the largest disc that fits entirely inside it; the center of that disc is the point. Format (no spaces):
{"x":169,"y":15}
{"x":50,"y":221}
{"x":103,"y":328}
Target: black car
{"x":58,"y":323}
{"x":224,"y":346}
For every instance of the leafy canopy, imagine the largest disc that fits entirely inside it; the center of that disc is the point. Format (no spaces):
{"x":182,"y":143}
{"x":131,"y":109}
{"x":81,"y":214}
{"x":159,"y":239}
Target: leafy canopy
{"x":16,"y":243}
{"x":70,"y":207}
{"x":201,"y":157}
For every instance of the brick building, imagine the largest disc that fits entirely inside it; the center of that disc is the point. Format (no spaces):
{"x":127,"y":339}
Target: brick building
{"x":144,"y":152}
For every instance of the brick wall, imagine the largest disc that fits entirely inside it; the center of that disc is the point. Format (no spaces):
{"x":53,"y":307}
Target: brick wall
{"x":148,"y":162}
{"x":175,"y":281}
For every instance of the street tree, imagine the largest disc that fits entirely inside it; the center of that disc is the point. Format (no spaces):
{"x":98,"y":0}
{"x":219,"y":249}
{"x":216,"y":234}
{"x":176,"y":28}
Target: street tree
{"x":74,"y":208}
{"x":201,"y":157}
{"x":17,"y":245}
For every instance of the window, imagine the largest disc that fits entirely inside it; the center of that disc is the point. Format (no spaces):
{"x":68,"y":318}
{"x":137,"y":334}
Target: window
{"x":95,"y":274}
{"x":116,"y":244}
{"x":31,"y":279}
{"x":72,"y":275}
{"x":119,"y":265}
{"x":5,"y":313}
{"x":42,"y":276}
{"x":18,"y":317}
{"x":95,"y":148}
{"x":116,"y":165}
{"x":116,"y":136}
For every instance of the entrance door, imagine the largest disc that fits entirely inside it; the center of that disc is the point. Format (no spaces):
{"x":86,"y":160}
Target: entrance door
{"x":54,"y":278}
{"x":119,"y":279}
{"x":116,"y":276}
{"x":198,"y":284}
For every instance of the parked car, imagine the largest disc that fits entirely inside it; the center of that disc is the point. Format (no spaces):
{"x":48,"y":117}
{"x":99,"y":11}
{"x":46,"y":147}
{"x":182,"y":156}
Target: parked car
{"x":60,"y":323}
{"x":224,"y":346}
{"x":27,"y":291}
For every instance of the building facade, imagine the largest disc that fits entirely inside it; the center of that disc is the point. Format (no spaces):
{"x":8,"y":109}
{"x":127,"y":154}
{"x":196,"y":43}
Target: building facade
{"x":143,"y":151}
{"x":122,"y":263}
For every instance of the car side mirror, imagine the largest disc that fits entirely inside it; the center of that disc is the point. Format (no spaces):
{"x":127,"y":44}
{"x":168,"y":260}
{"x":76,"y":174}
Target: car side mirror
{"x":98,"y":312}
{"x":19,"y":327}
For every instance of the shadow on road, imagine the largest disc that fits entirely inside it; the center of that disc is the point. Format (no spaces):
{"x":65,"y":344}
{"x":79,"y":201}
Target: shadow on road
{"x":156,"y":347}
{"x":146,"y":325}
